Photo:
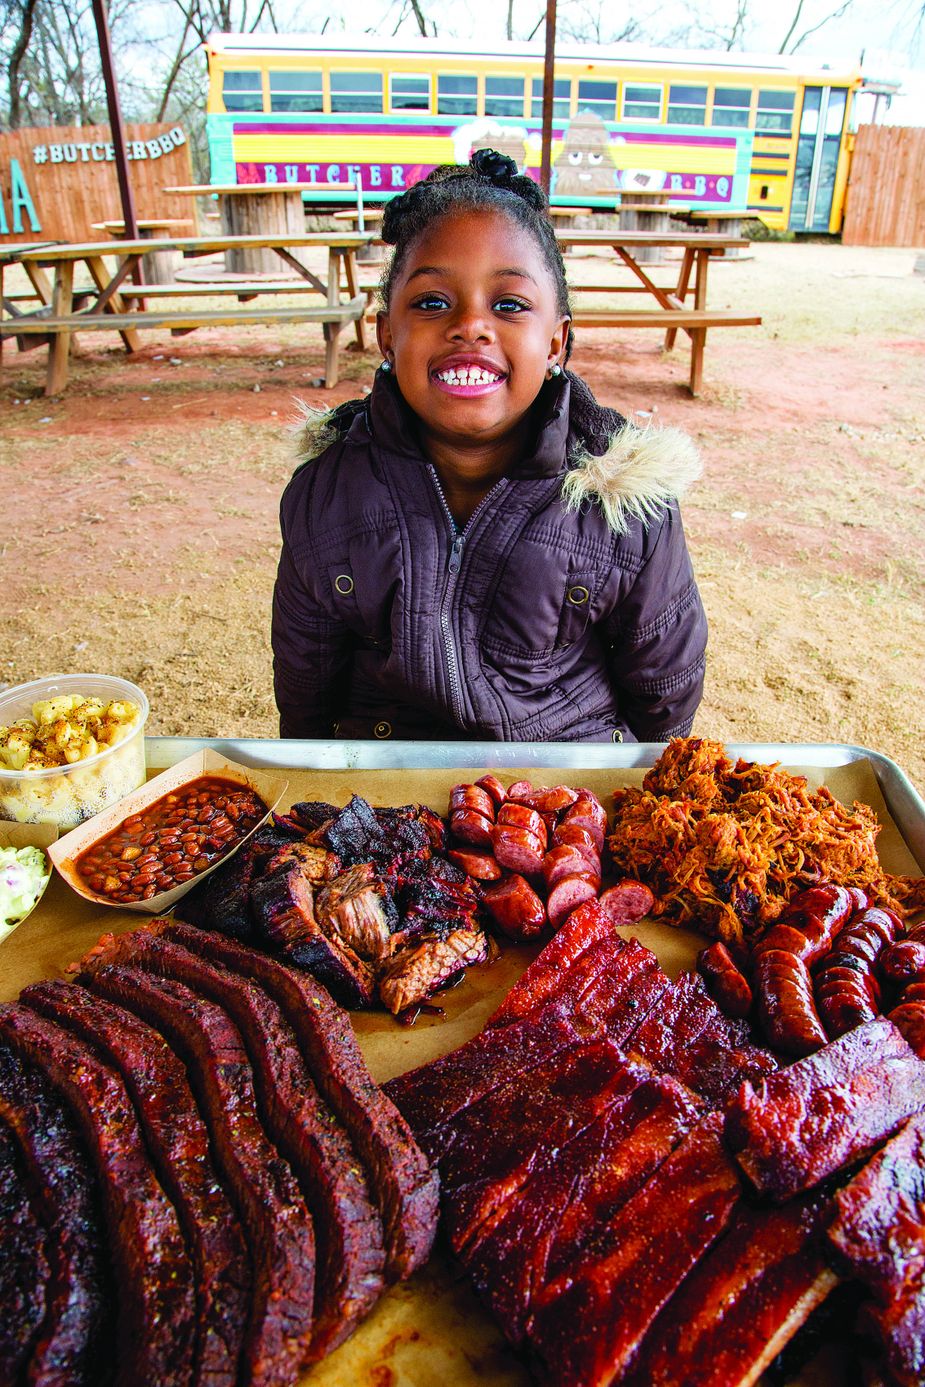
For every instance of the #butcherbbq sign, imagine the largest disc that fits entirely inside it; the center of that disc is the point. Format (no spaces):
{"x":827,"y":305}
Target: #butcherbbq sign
{"x":57,"y":181}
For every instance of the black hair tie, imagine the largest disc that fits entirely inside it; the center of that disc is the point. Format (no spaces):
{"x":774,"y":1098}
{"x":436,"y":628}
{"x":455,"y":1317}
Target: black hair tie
{"x":497,"y":168}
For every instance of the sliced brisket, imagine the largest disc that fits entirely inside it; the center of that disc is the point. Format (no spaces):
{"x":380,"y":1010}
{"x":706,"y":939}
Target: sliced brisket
{"x":74,"y":1343}
{"x":277,"y":1223}
{"x":283,"y":906}
{"x":157,"y":1311}
{"x":348,"y":1230}
{"x":401,"y":1181}
{"x":178,"y":1142}
{"x":798,"y":1126}
{"x":24,"y":1271}
{"x":419,"y":970}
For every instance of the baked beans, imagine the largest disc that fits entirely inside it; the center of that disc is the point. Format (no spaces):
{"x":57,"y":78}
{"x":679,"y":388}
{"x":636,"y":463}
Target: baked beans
{"x":177,"y":836}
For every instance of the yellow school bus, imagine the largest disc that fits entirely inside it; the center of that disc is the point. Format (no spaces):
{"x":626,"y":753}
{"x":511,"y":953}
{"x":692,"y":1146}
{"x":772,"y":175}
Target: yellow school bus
{"x":768,"y":137}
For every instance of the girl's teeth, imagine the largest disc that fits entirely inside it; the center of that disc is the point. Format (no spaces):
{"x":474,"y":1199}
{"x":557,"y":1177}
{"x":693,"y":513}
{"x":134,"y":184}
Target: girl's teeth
{"x":468,"y":375}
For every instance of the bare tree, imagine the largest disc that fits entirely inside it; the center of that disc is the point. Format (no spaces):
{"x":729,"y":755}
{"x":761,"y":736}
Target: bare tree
{"x":794,"y":37}
{"x":18,"y":19}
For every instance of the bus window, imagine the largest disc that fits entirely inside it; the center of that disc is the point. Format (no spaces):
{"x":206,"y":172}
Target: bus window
{"x":356,"y":91}
{"x":295,"y":90}
{"x":687,"y":105}
{"x":775,"y":112}
{"x":600,"y":97}
{"x":731,"y":106}
{"x":409,"y":93}
{"x":561,"y":98}
{"x":457,"y":96}
{"x":642,"y":103}
{"x":242,"y":91}
{"x":504,"y":96}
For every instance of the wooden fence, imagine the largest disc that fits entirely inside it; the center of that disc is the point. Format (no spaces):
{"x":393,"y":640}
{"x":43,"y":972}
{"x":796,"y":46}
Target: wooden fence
{"x":886,"y":188}
{"x":56,"y":181}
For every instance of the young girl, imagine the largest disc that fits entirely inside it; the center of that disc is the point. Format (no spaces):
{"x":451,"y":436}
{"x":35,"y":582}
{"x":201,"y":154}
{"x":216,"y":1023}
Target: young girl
{"x":478,"y":549}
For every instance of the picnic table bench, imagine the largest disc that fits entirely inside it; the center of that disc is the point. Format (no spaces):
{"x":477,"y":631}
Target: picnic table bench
{"x":672,"y":313}
{"x":113,"y":305}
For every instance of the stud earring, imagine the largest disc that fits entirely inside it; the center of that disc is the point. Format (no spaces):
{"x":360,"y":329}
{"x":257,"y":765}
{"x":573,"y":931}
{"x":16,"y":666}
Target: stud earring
{"x":385,"y":365}
{"x":555,"y":370}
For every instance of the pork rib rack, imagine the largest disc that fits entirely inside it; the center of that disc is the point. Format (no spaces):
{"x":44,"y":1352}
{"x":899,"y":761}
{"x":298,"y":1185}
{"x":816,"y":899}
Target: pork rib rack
{"x":600,"y":1145}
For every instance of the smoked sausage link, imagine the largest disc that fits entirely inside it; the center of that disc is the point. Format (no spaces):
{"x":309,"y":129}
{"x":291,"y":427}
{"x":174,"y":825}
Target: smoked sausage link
{"x":472,"y":797}
{"x":846,"y":987}
{"x":726,"y":984}
{"x":588,"y":813}
{"x":515,"y":907}
{"x":521,"y":816}
{"x":480,"y":865}
{"x":818,"y":914}
{"x":846,"y":995}
{"x":566,"y":861}
{"x":909,"y":1019}
{"x":517,"y":848}
{"x":577,"y":837}
{"x":553,"y":801}
{"x":903,"y":962}
{"x":627,"y":902}
{"x":784,"y":993}
{"x":567,"y":895}
{"x":471,"y":827}
{"x":493,"y":787}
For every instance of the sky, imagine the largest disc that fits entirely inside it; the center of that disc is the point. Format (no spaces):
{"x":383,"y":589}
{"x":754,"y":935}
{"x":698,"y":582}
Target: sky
{"x":882,"y":30}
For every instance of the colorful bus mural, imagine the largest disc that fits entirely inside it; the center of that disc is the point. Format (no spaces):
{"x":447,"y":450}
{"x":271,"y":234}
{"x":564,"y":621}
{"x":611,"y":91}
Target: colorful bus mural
{"x":709,"y":131}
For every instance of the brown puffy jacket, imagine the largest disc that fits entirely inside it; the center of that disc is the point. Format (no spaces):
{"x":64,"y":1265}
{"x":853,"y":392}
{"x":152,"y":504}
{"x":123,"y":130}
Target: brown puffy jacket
{"x":565,"y":610}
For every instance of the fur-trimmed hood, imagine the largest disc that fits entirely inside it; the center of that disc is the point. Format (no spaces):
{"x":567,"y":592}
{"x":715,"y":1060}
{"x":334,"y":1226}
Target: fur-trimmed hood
{"x":631,"y":473}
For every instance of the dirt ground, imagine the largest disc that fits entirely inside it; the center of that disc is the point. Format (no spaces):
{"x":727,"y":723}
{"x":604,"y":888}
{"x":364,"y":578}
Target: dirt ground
{"x":140,"y":527}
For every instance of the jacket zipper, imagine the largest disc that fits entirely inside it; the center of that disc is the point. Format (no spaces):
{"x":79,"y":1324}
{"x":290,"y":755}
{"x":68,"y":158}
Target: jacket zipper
{"x":454,"y":564}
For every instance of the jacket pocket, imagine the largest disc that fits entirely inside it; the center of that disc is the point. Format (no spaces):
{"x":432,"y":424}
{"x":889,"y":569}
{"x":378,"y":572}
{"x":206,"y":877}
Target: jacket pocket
{"x":532,"y":621}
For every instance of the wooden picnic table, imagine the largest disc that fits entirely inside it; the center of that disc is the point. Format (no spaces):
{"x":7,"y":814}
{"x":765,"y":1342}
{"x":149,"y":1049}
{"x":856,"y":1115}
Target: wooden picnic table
{"x":261,"y":209}
{"x":672,"y":313}
{"x":115,"y":306}
{"x":160,"y":268}
{"x":648,"y":212}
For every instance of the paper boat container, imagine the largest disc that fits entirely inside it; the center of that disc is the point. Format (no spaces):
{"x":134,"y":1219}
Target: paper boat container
{"x":26,"y":836}
{"x":66,"y":850}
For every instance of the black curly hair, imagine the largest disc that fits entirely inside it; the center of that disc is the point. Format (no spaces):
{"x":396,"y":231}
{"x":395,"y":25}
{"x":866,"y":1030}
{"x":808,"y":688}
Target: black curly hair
{"x":489,"y":181}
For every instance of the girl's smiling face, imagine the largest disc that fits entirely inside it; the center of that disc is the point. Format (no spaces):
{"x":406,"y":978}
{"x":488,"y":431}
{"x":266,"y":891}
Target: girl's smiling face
{"x":472,"y":330}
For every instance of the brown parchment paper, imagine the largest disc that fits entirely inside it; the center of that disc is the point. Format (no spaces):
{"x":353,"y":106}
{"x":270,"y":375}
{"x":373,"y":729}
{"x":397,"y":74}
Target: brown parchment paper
{"x":431,"y":1330}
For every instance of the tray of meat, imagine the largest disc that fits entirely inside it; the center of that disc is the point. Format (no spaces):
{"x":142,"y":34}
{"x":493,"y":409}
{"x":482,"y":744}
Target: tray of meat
{"x":542,"y":980}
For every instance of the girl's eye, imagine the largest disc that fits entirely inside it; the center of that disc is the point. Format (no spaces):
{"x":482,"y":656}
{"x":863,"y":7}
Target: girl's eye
{"x":430,"y":302}
{"x":510,"y":305}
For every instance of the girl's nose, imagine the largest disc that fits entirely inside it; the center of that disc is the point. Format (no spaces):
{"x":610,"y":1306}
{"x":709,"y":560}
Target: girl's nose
{"x":470,"y":323}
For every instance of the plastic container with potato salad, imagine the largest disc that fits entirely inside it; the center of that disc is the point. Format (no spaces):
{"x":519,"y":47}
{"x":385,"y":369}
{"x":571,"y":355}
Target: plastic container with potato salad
{"x":66,"y":795}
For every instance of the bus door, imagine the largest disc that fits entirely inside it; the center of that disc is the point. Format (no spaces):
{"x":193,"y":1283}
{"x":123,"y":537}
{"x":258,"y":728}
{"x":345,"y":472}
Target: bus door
{"x":821,"y":122}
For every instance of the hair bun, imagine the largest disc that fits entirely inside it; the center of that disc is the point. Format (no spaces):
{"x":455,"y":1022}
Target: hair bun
{"x":499,"y":169}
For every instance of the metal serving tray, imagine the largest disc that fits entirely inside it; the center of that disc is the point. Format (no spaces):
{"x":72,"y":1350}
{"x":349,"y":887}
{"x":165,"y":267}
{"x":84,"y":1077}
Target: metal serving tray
{"x":904,"y":803}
